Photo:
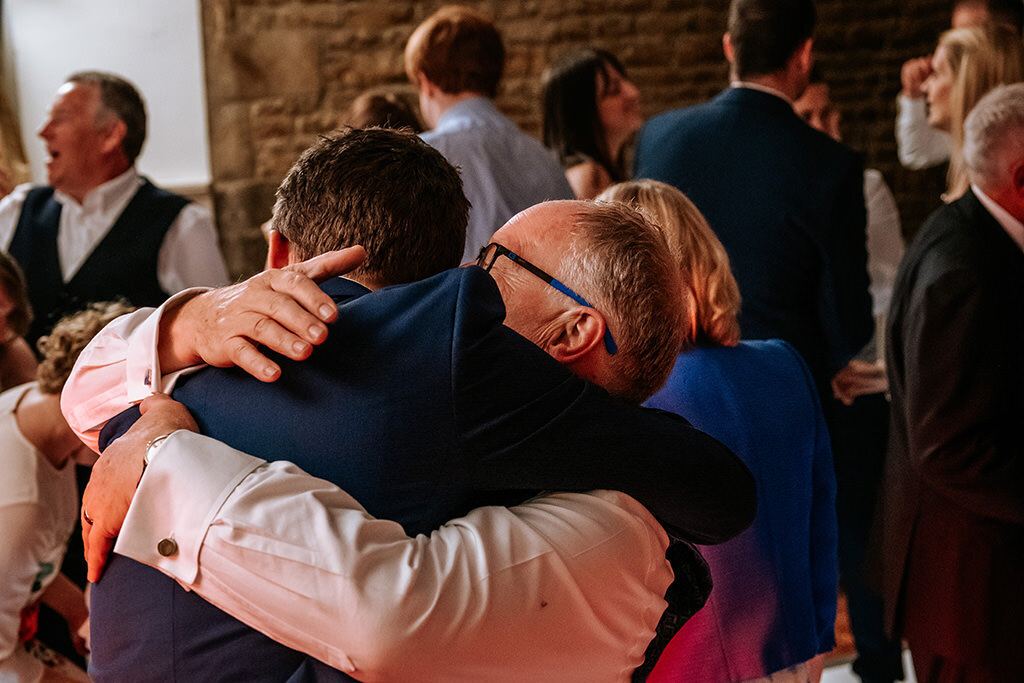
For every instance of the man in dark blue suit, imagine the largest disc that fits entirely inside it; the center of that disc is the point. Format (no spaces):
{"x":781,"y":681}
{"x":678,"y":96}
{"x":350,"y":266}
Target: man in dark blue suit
{"x":785,"y":200}
{"x":787,"y":203}
{"x":436,"y":405}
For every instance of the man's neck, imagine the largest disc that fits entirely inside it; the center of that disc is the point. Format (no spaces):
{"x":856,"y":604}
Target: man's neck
{"x":105,"y":173}
{"x":778,"y":84}
{"x":443,"y":101}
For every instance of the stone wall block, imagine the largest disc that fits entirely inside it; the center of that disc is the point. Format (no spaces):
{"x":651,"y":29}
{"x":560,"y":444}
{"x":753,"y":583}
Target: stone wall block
{"x":275,"y":156}
{"x":241,"y":208}
{"x":277,"y":62}
{"x":231,"y":150}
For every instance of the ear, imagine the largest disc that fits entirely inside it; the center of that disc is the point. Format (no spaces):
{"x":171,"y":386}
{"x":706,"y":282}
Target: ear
{"x":425,"y":85}
{"x":580,"y":333}
{"x":278,"y":250}
{"x":1018,"y":180}
{"x":805,"y":56}
{"x":727,"y":48}
{"x":114,"y":136}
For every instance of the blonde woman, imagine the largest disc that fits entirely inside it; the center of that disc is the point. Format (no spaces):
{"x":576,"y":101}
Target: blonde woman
{"x":967,"y":63}
{"x":773,"y":605}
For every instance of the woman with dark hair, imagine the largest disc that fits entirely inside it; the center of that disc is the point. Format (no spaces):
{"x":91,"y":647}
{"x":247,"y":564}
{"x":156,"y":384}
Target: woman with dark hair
{"x":591,"y":110}
{"x":17,"y":362}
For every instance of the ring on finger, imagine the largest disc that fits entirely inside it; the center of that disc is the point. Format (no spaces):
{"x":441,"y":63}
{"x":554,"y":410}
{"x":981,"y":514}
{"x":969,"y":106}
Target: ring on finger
{"x":86,"y":517}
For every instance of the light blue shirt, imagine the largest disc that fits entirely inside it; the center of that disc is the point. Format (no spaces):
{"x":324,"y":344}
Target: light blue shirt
{"x":503,"y":169}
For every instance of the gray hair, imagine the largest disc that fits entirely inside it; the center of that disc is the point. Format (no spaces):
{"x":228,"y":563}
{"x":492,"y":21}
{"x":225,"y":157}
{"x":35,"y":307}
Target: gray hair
{"x":121,"y":99}
{"x":622,"y":264}
{"x":994,"y":134}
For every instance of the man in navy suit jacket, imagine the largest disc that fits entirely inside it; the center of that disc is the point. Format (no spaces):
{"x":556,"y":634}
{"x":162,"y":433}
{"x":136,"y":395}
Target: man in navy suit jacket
{"x":437,"y":405}
{"x":787,"y":202}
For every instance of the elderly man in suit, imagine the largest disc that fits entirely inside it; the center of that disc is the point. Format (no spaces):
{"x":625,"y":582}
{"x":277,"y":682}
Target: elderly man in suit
{"x":954,"y":486}
{"x":423,"y":404}
{"x":787,"y":203}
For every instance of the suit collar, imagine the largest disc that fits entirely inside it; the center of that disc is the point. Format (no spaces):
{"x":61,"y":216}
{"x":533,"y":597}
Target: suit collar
{"x":342,"y":289}
{"x":749,"y":97}
{"x":1011,"y":225}
{"x":986,"y":226}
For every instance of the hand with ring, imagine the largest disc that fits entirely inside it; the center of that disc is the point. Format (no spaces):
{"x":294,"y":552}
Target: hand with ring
{"x":115,"y":476}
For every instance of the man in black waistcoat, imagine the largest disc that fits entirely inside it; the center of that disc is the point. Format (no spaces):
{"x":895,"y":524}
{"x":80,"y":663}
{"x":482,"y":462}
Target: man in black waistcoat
{"x":99,"y":230}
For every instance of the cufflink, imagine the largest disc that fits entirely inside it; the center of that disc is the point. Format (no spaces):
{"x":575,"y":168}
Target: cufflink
{"x":167,"y":547}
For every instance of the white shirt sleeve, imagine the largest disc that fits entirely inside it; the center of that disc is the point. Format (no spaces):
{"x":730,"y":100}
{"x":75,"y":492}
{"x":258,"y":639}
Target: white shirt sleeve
{"x":10,"y":212}
{"x":119,"y":367}
{"x":565,"y":587}
{"x":885,"y":239}
{"x":917,"y":143}
{"x":190,"y":254}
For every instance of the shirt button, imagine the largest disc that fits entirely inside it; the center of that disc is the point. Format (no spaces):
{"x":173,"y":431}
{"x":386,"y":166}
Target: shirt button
{"x":167,"y":547}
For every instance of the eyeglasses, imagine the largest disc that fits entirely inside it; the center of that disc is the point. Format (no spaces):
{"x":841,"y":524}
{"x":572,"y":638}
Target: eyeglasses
{"x":490,"y":253}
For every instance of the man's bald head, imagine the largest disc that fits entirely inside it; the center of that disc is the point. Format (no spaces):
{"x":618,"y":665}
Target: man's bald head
{"x":609,"y":254}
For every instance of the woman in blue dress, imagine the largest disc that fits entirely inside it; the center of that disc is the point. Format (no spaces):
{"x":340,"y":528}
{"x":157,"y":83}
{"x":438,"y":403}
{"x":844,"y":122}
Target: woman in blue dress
{"x":772,"y":610}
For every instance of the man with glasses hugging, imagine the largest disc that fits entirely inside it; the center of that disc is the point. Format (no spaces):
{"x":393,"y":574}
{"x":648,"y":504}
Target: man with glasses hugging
{"x":422,"y":405}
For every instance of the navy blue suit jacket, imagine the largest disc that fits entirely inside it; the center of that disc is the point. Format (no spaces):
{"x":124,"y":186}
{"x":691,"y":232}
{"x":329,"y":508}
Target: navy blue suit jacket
{"x":787,"y":202}
{"x":422,"y":405}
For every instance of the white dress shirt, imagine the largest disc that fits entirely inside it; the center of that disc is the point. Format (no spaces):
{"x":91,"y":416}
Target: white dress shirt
{"x":38,"y":510}
{"x":885,"y":240}
{"x":189,"y":255}
{"x":917,"y":143}
{"x":566,"y":587}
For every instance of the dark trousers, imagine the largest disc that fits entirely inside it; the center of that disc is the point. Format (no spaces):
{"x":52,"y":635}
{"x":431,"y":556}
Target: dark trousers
{"x":859,"y":433}
{"x":932,"y":668}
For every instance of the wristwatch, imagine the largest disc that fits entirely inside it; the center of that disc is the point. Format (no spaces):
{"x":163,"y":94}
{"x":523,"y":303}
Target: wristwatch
{"x":152,"y":446}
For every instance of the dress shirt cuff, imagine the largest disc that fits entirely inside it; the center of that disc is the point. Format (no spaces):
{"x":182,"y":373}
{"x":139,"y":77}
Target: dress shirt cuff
{"x":911,"y":109}
{"x":177,"y":499}
{"x":142,"y":372}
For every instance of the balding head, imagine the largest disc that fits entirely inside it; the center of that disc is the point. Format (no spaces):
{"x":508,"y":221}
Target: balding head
{"x":612,"y":257}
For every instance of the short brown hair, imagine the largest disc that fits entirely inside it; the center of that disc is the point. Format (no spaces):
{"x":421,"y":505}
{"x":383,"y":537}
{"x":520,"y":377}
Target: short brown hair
{"x":60,"y":348}
{"x":12,"y":282}
{"x":385,"y":109}
{"x":384,"y":189}
{"x":622,"y":264}
{"x":702,"y":260}
{"x":122,"y":99}
{"x":458,"y":50}
{"x":767,"y":33}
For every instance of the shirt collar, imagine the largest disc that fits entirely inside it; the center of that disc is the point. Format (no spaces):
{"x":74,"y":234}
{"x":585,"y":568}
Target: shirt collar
{"x":763,"y":88}
{"x":1013,"y":227}
{"x":107,"y":195}
{"x":474,"y":106}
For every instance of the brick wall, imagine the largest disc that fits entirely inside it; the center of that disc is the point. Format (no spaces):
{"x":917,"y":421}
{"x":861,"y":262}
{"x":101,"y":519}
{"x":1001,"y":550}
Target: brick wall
{"x":280,"y":71}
